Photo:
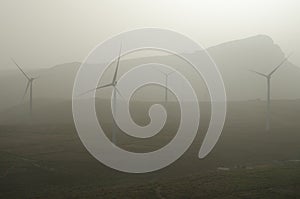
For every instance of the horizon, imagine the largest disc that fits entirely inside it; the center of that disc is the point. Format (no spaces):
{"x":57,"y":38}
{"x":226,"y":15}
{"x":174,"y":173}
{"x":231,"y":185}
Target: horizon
{"x":150,"y":55}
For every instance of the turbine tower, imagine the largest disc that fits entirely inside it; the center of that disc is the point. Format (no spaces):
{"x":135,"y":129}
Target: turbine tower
{"x":29,"y":85}
{"x":166,"y":83}
{"x":268,"y":78}
{"x":113,"y":84}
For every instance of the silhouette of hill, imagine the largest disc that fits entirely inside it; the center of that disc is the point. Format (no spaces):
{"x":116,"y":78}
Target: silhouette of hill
{"x":53,"y":90}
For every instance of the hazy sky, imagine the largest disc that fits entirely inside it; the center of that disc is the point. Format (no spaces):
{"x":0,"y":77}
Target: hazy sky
{"x":45,"y":33}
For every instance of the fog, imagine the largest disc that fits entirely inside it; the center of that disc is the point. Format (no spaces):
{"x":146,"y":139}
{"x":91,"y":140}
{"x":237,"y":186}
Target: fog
{"x":41,"y":34}
{"x":48,"y":151}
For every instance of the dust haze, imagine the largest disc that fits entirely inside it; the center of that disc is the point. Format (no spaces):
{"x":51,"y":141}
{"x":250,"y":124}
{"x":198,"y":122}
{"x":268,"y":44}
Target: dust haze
{"x":41,"y":154}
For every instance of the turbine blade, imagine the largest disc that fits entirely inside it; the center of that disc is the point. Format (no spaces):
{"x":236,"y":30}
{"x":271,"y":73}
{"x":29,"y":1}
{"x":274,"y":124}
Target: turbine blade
{"x":280,"y":64}
{"x":118,"y":92}
{"x":117,"y":67}
{"x":258,"y":73}
{"x":162,"y":72}
{"x":170,"y":73}
{"x":38,"y":77}
{"x":104,"y":86}
{"x":28,"y":83}
{"x":165,"y":73}
{"x":20,"y":69}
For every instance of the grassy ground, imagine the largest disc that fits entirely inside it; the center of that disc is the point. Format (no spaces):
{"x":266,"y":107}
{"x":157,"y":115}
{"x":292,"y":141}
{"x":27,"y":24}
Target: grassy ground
{"x":31,"y":180}
{"x":49,"y":161}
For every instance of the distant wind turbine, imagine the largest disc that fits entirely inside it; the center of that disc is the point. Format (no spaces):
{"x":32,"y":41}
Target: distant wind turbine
{"x":29,"y":85}
{"x":268,"y":78}
{"x":166,"y":82}
{"x":113,"y":83}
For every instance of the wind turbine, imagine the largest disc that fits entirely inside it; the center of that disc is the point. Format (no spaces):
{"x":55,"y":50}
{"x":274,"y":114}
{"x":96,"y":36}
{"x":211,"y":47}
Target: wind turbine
{"x":268,"y":78}
{"x":166,"y":83}
{"x":29,"y":85}
{"x":113,"y":84}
